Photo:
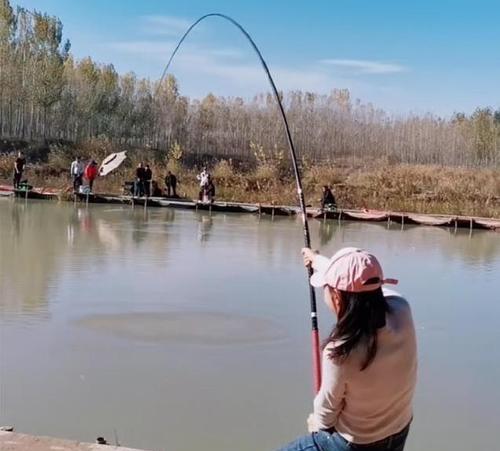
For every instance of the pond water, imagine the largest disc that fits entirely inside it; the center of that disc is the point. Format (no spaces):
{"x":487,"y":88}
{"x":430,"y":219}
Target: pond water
{"x":177,"y":330}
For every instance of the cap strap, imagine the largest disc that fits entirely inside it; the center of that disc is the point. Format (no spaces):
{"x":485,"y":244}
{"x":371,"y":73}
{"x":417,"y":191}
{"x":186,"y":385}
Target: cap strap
{"x":390,"y":281}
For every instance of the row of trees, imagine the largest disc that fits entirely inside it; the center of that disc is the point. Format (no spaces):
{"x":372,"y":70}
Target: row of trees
{"x":45,"y":93}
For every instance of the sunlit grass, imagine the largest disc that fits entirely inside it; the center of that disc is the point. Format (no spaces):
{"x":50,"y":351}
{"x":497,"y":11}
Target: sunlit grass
{"x":356,"y":184}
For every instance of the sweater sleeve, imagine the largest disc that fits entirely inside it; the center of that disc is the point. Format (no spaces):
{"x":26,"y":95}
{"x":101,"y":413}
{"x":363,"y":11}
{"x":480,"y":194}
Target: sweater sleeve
{"x":329,"y":401}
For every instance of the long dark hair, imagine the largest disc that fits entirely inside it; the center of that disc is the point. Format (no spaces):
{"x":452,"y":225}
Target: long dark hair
{"x":359,"y":318}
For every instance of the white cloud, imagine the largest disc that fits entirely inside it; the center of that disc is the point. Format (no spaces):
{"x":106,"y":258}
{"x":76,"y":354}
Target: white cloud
{"x":237,"y":70}
{"x":165,"y":25}
{"x":364,"y":66}
{"x":252,"y":75}
{"x":201,"y":68}
{"x":154,"y":49}
{"x":228,"y":64}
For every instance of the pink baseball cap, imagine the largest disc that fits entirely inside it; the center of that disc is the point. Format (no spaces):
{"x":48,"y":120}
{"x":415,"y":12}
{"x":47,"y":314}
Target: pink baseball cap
{"x":350,"y":269}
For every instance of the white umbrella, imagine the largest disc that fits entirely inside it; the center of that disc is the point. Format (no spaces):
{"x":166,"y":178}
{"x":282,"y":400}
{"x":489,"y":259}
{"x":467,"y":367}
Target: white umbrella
{"x":111,"y":162}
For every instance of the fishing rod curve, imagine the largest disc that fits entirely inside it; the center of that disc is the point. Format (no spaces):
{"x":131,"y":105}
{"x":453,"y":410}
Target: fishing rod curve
{"x":300,"y":193}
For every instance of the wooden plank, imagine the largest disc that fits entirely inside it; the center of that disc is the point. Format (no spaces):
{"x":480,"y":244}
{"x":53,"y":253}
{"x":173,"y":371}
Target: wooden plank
{"x":273,"y":210}
{"x":12,"y":441}
{"x":432,"y":220}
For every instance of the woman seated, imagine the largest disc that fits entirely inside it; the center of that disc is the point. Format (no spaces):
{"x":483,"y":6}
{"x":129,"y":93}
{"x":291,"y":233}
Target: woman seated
{"x":369,"y":359}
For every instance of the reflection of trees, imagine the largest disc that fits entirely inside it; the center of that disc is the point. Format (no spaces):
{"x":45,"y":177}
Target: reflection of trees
{"x":480,"y":247}
{"x":279,"y":238}
{"x":38,"y":240}
{"x":139,"y":220}
{"x":169,"y":214}
{"x":31,"y":244}
{"x":205,"y":224}
{"x":326,"y":231}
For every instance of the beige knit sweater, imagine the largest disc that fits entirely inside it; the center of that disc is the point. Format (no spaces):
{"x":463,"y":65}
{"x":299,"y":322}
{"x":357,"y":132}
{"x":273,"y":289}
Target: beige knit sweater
{"x":370,"y":405}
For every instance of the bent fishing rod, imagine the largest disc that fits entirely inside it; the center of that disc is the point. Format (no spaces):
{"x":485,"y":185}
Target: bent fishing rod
{"x":307,"y":238}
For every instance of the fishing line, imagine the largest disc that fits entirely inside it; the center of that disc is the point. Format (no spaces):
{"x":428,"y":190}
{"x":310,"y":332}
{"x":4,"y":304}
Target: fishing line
{"x":300,"y":193}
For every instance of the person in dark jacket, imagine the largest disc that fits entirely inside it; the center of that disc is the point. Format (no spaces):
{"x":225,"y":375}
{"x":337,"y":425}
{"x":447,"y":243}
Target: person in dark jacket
{"x":328,"y":199}
{"x":18,"y":169}
{"x":210,"y":190}
{"x":171,"y":184}
{"x":139,"y":180}
{"x":148,"y":177}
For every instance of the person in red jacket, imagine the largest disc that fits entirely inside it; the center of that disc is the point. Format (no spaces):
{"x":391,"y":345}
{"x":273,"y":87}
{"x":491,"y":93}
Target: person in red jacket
{"x":91,"y":173}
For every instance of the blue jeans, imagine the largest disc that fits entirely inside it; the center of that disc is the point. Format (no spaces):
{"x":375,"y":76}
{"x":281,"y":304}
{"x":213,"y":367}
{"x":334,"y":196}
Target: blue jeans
{"x":138,"y":188}
{"x":326,"y":441}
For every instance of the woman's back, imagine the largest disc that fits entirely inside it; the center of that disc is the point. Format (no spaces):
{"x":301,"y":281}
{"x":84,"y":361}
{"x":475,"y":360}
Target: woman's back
{"x":370,"y":405}
{"x":369,"y":366}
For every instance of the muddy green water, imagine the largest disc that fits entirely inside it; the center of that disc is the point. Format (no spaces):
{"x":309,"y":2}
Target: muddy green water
{"x":184,"y":331}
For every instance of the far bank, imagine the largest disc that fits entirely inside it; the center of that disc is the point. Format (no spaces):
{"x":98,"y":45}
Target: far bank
{"x":356,"y":184}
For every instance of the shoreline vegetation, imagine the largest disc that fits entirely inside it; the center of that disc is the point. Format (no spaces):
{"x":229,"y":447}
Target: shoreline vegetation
{"x":54,"y":107}
{"x":361,"y":184}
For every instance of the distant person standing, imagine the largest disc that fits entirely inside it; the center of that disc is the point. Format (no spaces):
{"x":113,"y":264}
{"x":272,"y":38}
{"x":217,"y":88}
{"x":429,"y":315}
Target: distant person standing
{"x":203,"y":177}
{"x":19,"y":169}
{"x":76,"y":172}
{"x":209,"y":190}
{"x":328,"y":199}
{"x":91,"y":173}
{"x":139,"y":180}
{"x":148,"y":177}
{"x":171,"y":184}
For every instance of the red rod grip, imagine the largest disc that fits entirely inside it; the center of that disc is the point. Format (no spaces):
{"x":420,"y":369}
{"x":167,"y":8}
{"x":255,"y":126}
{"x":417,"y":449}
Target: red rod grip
{"x":316,"y":361}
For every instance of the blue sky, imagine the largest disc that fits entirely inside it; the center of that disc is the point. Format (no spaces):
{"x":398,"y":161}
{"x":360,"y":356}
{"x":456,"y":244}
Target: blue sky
{"x":436,"y":56}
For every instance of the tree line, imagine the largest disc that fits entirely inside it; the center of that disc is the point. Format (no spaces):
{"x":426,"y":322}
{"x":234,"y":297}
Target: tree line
{"x":46,"y":94}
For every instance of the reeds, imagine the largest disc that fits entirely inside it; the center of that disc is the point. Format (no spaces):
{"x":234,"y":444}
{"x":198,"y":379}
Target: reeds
{"x":356,"y":183}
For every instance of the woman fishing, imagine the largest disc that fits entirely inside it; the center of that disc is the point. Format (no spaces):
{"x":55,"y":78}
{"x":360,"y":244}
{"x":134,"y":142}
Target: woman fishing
{"x":369,"y":362}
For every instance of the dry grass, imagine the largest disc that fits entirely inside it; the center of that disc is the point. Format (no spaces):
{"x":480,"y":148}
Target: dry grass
{"x":430,"y":189}
{"x":356,"y":184}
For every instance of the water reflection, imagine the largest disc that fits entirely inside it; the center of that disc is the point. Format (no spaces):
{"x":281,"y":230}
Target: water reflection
{"x":101,"y":288}
{"x":16,"y":219}
{"x":39,"y":239}
{"x":481,"y":247}
{"x":326,"y":231}
{"x":169,"y":215}
{"x":31,"y":246}
{"x":205,"y":224}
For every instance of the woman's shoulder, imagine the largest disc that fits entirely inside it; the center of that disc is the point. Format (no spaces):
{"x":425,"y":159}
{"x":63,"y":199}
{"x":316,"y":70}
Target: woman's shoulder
{"x":395,"y":299}
{"x":399,"y":317}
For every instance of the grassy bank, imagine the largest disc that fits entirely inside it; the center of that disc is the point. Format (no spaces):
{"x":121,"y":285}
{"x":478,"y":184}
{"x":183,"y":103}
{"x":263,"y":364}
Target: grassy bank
{"x":356,"y":184}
